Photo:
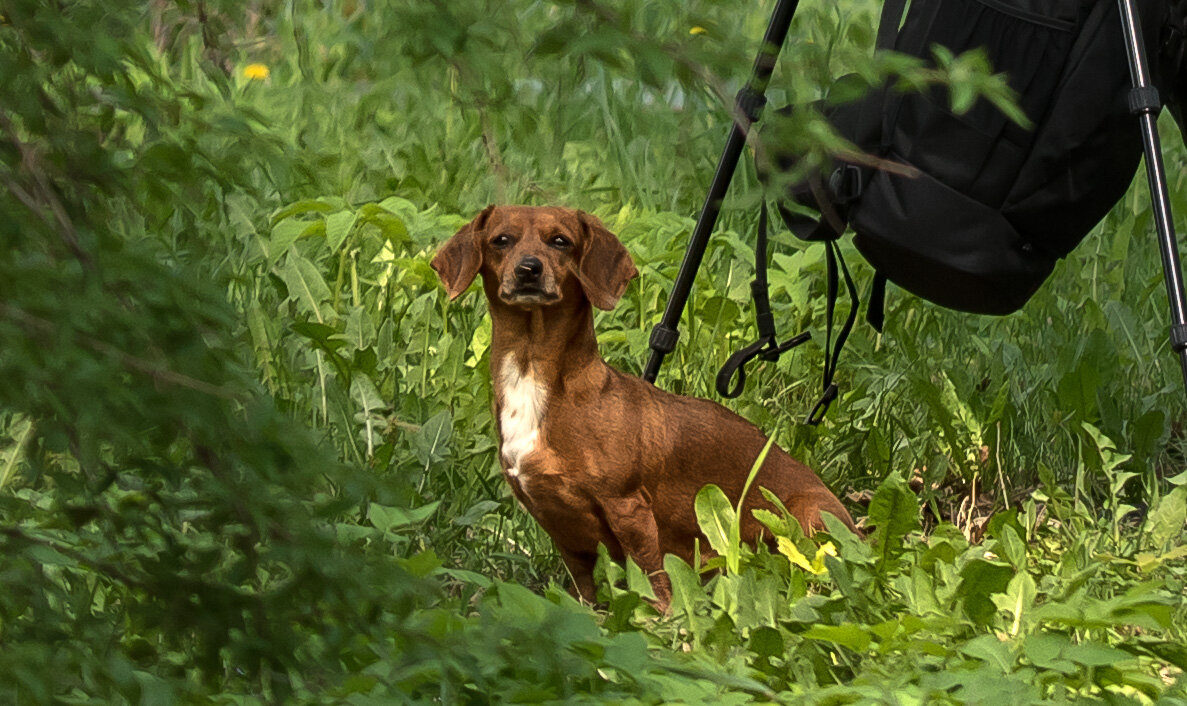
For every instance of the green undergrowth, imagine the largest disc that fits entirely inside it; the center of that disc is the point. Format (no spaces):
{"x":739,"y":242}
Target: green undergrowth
{"x":246,"y":445}
{"x":1048,"y":607}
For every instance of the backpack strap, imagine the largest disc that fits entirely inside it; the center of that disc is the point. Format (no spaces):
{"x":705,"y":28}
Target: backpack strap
{"x":766,"y":346}
{"x":832,"y":354}
{"x":888,"y":23}
{"x":876,"y":308}
{"x":847,"y":185}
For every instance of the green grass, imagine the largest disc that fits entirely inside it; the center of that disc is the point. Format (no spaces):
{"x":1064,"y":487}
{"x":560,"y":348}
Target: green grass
{"x":311,"y":203}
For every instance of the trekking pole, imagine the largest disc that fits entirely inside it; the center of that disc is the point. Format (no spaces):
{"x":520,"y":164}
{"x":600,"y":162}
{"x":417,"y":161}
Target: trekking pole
{"x":1145,"y":103}
{"x":747,"y":110}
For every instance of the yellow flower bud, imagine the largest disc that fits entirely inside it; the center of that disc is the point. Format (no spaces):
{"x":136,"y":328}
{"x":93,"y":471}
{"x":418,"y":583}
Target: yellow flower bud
{"x":256,"y":72}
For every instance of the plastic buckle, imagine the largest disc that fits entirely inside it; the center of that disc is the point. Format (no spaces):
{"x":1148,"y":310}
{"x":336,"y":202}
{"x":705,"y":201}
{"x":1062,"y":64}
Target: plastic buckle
{"x":734,"y":369}
{"x":845,"y":183}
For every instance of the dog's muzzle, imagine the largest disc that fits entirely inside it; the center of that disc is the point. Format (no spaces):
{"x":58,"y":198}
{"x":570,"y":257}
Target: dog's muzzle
{"x":529,"y":284}
{"x":527,"y":272}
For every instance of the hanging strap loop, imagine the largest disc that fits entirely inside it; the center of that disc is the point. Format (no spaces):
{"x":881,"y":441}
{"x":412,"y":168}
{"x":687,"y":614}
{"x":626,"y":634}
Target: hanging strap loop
{"x":731,"y":379}
{"x":832,"y":354}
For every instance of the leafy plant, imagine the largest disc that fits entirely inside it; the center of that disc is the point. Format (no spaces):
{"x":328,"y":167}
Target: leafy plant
{"x":246,"y":448}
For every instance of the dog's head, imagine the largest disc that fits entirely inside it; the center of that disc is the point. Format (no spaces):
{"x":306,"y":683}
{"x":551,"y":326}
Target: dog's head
{"x":537,"y":256}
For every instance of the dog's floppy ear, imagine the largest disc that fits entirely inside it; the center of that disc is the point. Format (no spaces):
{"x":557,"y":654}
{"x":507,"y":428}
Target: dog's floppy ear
{"x":458,"y":261}
{"x":606,"y":267}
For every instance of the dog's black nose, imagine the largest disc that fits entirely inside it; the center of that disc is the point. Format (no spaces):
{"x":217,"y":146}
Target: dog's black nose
{"x":528,"y":270}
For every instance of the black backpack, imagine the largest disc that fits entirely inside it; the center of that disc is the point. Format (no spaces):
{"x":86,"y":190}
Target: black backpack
{"x":991,"y":205}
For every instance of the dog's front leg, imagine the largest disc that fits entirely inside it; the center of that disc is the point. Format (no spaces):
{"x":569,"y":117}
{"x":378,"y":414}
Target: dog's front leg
{"x":633,"y":524}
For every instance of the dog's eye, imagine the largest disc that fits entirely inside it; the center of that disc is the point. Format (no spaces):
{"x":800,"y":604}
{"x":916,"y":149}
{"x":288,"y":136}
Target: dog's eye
{"x":501,"y":241}
{"x":560,"y":242}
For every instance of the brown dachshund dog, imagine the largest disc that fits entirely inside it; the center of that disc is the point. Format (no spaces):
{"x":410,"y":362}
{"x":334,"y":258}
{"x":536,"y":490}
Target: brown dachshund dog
{"x":593,"y":454}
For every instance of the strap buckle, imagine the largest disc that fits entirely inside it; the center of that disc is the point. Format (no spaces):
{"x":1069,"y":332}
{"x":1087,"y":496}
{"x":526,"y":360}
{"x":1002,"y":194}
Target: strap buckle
{"x":846,"y":183}
{"x":766,"y":348}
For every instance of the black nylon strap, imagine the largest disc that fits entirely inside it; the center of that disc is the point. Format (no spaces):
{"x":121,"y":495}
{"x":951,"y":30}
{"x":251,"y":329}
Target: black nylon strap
{"x":767,"y":346}
{"x":876,"y":121}
{"x":876,"y":308}
{"x":832,"y":354}
{"x":760,"y":252}
{"x":759,"y":289}
{"x":892,"y":15}
{"x":735,"y":368}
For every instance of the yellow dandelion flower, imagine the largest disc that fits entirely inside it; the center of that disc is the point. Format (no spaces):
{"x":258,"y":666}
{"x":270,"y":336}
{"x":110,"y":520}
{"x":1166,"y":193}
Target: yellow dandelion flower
{"x":256,"y":72}
{"x":698,"y":30}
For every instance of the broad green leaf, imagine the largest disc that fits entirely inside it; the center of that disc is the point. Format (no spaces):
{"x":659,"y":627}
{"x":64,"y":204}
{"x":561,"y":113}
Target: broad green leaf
{"x":21,"y":432}
{"x":365,"y":394}
{"x":1109,"y":456}
{"x":788,"y":549}
{"x":284,"y":234}
{"x":855,"y":637}
{"x":470,"y":577}
{"x":398,"y":206}
{"x":305,"y":284}
{"x":627,"y":652}
{"x":360,"y":329}
{"x":475,"y":513}
{"x":48,"y":556}
{"x":980,"y":579}
{"x":638,"y":581}
{"x":1049,"y":651}
{"x":771,"y":521}
{"x":390,"y":519}
{"x":420,"y":272}
{"x":390,"y":226}
{"x":323,"y":335}
{"x":338,"y":226}
{"x":1018,"y":600}
{"x":688,"y":595}
{"x":1147,"y":561}
{"x":766,"y":641}
{"x":715,"y":516}
{"x":431,"y":442}
{"x":988,"y":648}
{"x":299,"y":207}
{"x":1094,"y":654}
{"x":852,"y":548}
{"x":792,"y":527}
{"x":894,"y":512}
{"x":1168,"y":517}
{"x":479,"y":342}
{"x":518,"y":603}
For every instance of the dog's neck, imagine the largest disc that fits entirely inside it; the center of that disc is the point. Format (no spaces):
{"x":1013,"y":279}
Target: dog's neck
{"x":556,"y":344}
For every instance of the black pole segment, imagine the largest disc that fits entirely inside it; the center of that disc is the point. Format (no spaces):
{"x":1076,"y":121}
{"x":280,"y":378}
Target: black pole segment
{"x":1144,"y":102}
{"x":748,"y":108}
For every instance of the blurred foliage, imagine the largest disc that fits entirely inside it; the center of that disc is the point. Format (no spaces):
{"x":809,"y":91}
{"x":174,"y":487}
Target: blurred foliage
{"x":246,"y":448}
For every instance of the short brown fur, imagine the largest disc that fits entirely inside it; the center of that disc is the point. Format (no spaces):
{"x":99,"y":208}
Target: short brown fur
{"x":617,"y":461}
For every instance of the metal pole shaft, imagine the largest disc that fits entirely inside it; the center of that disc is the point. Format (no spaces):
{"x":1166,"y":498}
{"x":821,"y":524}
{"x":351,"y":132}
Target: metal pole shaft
{"x":1156,"y":176}
{"x":663,"y":336}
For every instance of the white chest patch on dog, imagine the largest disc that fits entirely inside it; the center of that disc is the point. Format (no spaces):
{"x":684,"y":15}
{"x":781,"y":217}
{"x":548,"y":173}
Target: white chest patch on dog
{"x":522,"y":410}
